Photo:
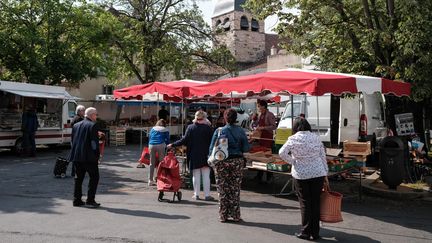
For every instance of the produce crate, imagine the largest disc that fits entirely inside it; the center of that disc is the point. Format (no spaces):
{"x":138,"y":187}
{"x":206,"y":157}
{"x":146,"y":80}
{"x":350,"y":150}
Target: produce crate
{"x":117,"y":136}
{"x":278,"y":166}
{"x":356,"y":148}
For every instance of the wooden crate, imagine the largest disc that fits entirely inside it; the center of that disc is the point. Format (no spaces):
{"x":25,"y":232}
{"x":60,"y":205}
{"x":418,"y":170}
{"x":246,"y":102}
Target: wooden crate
{"x":117,"y":136}
{"x":356,"y":148}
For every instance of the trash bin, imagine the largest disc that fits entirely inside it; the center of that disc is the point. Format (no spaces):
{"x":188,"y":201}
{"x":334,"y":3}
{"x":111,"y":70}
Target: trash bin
{"x":392,"y":161}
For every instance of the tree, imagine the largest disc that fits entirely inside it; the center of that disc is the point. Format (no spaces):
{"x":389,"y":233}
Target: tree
{"x":155,"y":36}
{"x":385,"y":38}
{"x":52,"y":41}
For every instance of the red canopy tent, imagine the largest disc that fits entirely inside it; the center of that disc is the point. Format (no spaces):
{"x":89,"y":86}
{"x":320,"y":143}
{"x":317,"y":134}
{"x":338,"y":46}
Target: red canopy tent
{"x":296,"y":81}
{"x":174,"y":90}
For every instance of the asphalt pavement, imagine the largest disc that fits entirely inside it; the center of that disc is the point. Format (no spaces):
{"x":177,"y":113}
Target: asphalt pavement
{"x":36,"y":207}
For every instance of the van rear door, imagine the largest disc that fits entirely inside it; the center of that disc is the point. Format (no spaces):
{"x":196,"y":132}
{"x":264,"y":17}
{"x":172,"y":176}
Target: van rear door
{"x":318,"y":115}
{"x":349,"y":118}
{"x":373,"y":108}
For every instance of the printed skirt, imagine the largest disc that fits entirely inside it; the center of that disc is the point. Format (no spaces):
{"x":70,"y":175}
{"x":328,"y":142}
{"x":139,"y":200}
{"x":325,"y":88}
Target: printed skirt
{"x":228,"y":180}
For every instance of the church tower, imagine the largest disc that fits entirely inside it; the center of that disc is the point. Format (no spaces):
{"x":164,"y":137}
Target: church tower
{"x":239,"y":31}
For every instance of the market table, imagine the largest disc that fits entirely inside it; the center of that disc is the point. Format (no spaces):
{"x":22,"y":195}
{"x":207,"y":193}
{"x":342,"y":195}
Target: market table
{"x":290,"y":179}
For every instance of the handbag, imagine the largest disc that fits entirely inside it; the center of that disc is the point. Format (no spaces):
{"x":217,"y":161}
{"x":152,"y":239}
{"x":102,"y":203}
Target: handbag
{"x":219,"y":151}
{"x":330,"y":206}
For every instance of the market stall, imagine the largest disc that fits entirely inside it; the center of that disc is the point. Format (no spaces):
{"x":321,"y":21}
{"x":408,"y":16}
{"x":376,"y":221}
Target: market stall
{"x":295,"y":81}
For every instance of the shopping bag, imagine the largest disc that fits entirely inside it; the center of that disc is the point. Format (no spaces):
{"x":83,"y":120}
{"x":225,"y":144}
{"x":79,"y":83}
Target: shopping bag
{"x":330,"y":206}
{"x":145,"y":157}
{"x":219,"y":151}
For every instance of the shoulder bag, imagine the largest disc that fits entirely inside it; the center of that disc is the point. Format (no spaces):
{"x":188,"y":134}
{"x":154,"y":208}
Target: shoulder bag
{"x":219,"y":151}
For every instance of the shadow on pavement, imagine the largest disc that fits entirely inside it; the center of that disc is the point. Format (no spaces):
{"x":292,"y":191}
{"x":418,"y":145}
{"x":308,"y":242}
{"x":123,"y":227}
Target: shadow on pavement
{"x":328,"y":235}
{"x":265,"y":205}
{"x":141,"y":213}
{"x":28,"y":184}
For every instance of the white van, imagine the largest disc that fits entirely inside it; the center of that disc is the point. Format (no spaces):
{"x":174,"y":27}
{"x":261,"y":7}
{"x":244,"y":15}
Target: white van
{"x":339,"y":118}
{"x":55,"y":109}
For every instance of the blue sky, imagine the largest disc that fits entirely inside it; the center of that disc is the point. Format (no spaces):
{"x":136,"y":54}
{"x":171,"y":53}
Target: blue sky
{"x":207,"y":7}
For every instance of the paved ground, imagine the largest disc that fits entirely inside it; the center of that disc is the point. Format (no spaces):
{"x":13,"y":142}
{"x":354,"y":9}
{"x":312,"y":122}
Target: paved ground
{"x":35,"y":207}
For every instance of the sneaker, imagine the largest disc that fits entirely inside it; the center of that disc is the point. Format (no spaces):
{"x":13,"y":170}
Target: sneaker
{"x":151,"y":183}
{"x":78,"y":203}
{"x":140,"y":165}
{"x":195,"y":197}
{"x":93,"y":204}
{"x":209,"y":198}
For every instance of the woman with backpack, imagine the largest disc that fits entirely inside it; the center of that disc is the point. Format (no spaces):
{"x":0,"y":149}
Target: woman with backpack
{"x":229,"y":171}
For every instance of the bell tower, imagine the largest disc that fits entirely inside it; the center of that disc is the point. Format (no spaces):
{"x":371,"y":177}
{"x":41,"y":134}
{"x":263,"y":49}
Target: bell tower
{"x":239,"y":31}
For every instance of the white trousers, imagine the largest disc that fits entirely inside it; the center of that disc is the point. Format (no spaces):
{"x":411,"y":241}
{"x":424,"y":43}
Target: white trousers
{"x":196,"y":180}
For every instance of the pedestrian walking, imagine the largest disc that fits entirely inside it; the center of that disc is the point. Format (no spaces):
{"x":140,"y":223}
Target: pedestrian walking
{"x":158,"y":139}
{"x":306,"y":153}
{"x":84,"y":155}
{"x":197,"y":140}
{"x":229,"y":171}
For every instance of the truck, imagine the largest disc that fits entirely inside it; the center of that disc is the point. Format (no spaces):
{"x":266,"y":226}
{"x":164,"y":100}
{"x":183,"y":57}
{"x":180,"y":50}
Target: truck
{"x":54,"y":106}
{"x":336,"y":119}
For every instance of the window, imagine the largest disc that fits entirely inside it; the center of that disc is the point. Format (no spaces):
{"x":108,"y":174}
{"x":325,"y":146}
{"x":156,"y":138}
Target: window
{"x":218,"y":22}
{"x":71,"y":109}
{"x":244,"y":23}
{"x":254,"y":25}
{"x":226,"y":24}
{"x":287,"y":112}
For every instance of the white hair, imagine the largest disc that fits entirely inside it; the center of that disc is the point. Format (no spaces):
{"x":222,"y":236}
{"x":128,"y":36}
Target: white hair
{"x":79,"y":108}
{"x":90,"y":111}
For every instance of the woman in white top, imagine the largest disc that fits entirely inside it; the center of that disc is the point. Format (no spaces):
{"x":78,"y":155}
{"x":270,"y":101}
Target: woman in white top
{"x":306,"y":153}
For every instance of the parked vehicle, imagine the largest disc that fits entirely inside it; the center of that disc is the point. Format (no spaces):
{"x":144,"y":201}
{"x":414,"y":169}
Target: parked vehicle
{"x":336,"y":119}
{"x":55,"y":109}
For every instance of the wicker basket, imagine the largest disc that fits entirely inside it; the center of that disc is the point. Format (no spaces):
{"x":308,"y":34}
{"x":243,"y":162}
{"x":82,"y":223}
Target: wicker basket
{"x":330,"y":208}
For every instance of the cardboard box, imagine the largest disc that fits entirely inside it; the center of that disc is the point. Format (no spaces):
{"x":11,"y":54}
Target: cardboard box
{"x":356,"y":148}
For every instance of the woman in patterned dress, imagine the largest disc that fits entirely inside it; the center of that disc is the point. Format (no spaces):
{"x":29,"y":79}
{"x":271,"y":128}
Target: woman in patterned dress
{"x":229,"y":172}
{"x":306,"y":153}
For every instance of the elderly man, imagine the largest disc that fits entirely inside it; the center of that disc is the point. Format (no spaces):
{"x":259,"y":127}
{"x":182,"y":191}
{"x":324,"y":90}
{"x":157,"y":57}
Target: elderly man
{"x":79,"y":115}
{"x":85,"y":155}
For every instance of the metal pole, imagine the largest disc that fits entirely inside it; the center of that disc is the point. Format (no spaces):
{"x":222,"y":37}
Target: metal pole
{"x":141,"y":128}
{"x":231,"y":99}
{"x":292,"y":112}
{"x":182,"y":116}
{"x":318,"y":115}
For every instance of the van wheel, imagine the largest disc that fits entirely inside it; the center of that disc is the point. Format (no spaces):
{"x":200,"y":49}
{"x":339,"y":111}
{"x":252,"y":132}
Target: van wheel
{"x":18,"y":148}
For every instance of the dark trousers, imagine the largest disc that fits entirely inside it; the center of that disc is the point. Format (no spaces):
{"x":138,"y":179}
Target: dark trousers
{"x":93,"y":170}
{"x":308,"y":192}
{"x":29,"y":143}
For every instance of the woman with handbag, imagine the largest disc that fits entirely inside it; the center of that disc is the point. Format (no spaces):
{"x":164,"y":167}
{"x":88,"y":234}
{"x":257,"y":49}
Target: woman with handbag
{"x":228,"y":172}
{"x":306,"y":153}
{"x":197,"y":139}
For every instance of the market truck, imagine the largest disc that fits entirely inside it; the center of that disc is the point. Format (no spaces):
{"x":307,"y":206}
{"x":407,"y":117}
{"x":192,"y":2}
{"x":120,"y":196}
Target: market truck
{"x":338,"y":119}
{"x":55,"y":109}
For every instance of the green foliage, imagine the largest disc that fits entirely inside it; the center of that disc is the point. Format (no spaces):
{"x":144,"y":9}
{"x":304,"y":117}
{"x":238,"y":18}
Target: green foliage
{"x":51,"y":41}
{"x":155,"y":36}
{"x":385,"y":38}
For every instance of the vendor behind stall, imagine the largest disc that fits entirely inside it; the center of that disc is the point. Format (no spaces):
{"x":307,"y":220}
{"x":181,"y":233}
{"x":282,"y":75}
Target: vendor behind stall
{"x":266,"y":125}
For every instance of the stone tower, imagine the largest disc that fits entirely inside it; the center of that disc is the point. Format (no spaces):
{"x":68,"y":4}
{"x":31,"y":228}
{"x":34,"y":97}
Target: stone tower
{"x":239,"y":31}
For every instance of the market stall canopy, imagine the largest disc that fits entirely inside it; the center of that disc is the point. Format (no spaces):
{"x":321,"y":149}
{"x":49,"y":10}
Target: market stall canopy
{"x":297,"y":81}
{"x":36,"y":90}
{"x":170,"y":90}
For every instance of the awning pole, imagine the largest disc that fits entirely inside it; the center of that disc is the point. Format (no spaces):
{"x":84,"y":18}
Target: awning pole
{"x":292,"y":112}
{"x":318,"y":115}
{"x":141,"y":128}
{"x":182,"y":117}
{"x":231,"y":99}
